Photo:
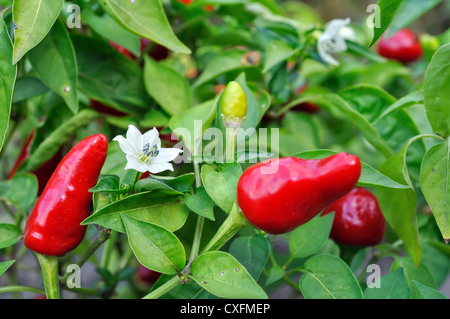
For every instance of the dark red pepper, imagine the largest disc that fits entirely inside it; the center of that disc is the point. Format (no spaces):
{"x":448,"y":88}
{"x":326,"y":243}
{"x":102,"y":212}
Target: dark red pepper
{"x":403,"y":46}
{"x":147,"y":275}
{"x":358,"y":219}
{"x":281,"y":195}
{"x":53,"y":227}
{"x":105,"y":109}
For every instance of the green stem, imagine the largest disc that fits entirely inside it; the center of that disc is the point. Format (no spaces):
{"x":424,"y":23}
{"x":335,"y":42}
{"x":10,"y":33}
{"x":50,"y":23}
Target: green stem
{"x":49,"y":267}
{"x":230,"y":144}
{"x":104,"y":235}
{"x":18,"y":288}
{"x":107,"y":250}
{"x":172,"y":283}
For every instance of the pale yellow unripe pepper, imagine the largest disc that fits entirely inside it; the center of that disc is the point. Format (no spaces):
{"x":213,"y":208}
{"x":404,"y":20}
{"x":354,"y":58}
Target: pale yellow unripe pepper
{"x":234,"y":105}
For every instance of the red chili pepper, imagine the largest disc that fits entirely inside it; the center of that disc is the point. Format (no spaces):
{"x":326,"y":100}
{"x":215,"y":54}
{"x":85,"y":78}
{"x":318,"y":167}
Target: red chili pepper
{"x":403,"y":46}
{"x":104,"y":109}
{"x":53,"y":227}
{"x":358,"y":219}
{"x":44,"y":172}
{"x":122,"y":50}
{"x":280,"y":195}
{"x":147,"y":275}
{"x":186,"y":2}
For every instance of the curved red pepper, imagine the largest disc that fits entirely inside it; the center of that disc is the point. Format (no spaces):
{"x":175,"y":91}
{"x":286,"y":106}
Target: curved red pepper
{"x":296,"y":191}
{"x":358,"y":219}
{"x":403,"y":46}
{"x":53,"y":227}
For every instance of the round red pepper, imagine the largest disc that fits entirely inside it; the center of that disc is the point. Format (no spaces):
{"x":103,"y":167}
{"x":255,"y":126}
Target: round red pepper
{"x":358,"y":220}
{"x":280,"y":195}
{"x":53,"y":227}
{"x":403,"y":46}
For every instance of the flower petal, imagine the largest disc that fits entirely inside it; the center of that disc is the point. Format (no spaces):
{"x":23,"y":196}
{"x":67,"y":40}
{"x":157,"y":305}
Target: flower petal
{"x":125,"y":145}
{"x":134,"y":136}
{"x":134,"y":163}
{"x":167,"y":154}
{"x":150,"y":137}
{"x":155,"y":167}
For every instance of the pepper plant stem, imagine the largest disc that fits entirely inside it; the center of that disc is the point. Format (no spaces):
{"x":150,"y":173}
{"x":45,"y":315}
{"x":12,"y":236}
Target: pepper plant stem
{"x":172,"y":283}
{"x":49,"y":267}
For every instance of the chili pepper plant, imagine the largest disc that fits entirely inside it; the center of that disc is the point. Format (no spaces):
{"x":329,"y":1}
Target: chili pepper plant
{"x":224,"y":149}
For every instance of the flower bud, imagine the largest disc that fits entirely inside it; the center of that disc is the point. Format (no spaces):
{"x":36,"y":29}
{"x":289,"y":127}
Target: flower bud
{"x":234,"y":105}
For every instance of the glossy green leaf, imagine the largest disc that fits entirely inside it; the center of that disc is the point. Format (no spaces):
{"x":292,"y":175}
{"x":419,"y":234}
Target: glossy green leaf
{"x":59,"y":137}
{"x":328,"y":277}
{"x":54,"y":61}
{"x":391,"y":286}
{"x":221,"y":184}
{"x":161,"y":208}
{"x":108,"y":28}
{"x":401,"y":213}
{"x":200,"y":203}
{"x":276,"y":52}
{"x":222,"y":275}
{"x":26,"y":87}
{"x":252,"y":252}
{"x":9,"y":235}
{"x":169,"y":88}
{"x":369,"y":176}
{"x":20,"y":191}
{"x":387,"y":9}
{"x":275,"y":273}
{"x":5,"y":265}
{"x":154,"y":246}
{"x":309,"y":238}
{"x":181,"y":183}
{"x":408,"y":12}
{"x":424,"y":292}
{"x":7,"y":80}
{"x":33,"y":19}
{"x":192,"y":123}
{"x":108,"y":184}
{"x":419,"y":273}
{"x":107,"y":76}
{"x":435,"y":184}
{"x":146,"y":19}
{"x":436,"y":90}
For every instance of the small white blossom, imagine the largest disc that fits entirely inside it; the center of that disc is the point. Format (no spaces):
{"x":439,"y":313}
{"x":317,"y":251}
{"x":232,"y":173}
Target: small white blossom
{"x":333,"y":39}
{"x":144,"y":152}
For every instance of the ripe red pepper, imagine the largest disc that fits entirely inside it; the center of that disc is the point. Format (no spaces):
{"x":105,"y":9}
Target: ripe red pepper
{"x":186,"y":2}
{"x":147,"y":275}
{"x":295,"y":191}
{"x":53,"y":227}
{"x":44,"y":172}
{"x":104,"y":109}
{"x":403,"y":46}
{"x":358,"y":219}
{"x":122,"y":50}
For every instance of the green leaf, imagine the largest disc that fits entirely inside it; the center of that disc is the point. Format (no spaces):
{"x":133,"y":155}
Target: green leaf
{"x":408,"y":12}
{"x":108,"y":28}
{"x":154,"y":246}
{"x":192,"y":123}
{"x":33,"y":19}
{"x":20,"y":191}
{"x":391,"y":286}
{"x":161,"y":208}
{"x":369,"y":176}
{"x":59,"y":137}
{"x":108,"y":184}
{"x":252,"y":252}
{"x":401,"y":213}
{"x":388,"y":9}
{"x":54,"y":61}
{"x":26,"y":87}
{"x":221,"y":184}
{"x":436,"y":91}
{"x":9,"y":235}
{"x":200,"y":203}
{"x":435,"y":184}
{"x":169,"y":88}
{"x":328,"y":277}
{"x":107,"y":76}
{"x":181,"y":183}
{"x":275,"y":273}
{"x":230,"y":60}
{"x":309,"y":238}
{"x":5,"y":265}
{"x":419,"y":273}
{"x":277,"y":51}
{"x":424,"y":292}
{"x":146,"y":19}
{"x":222,"y":275}
{"x":7,"y":80}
